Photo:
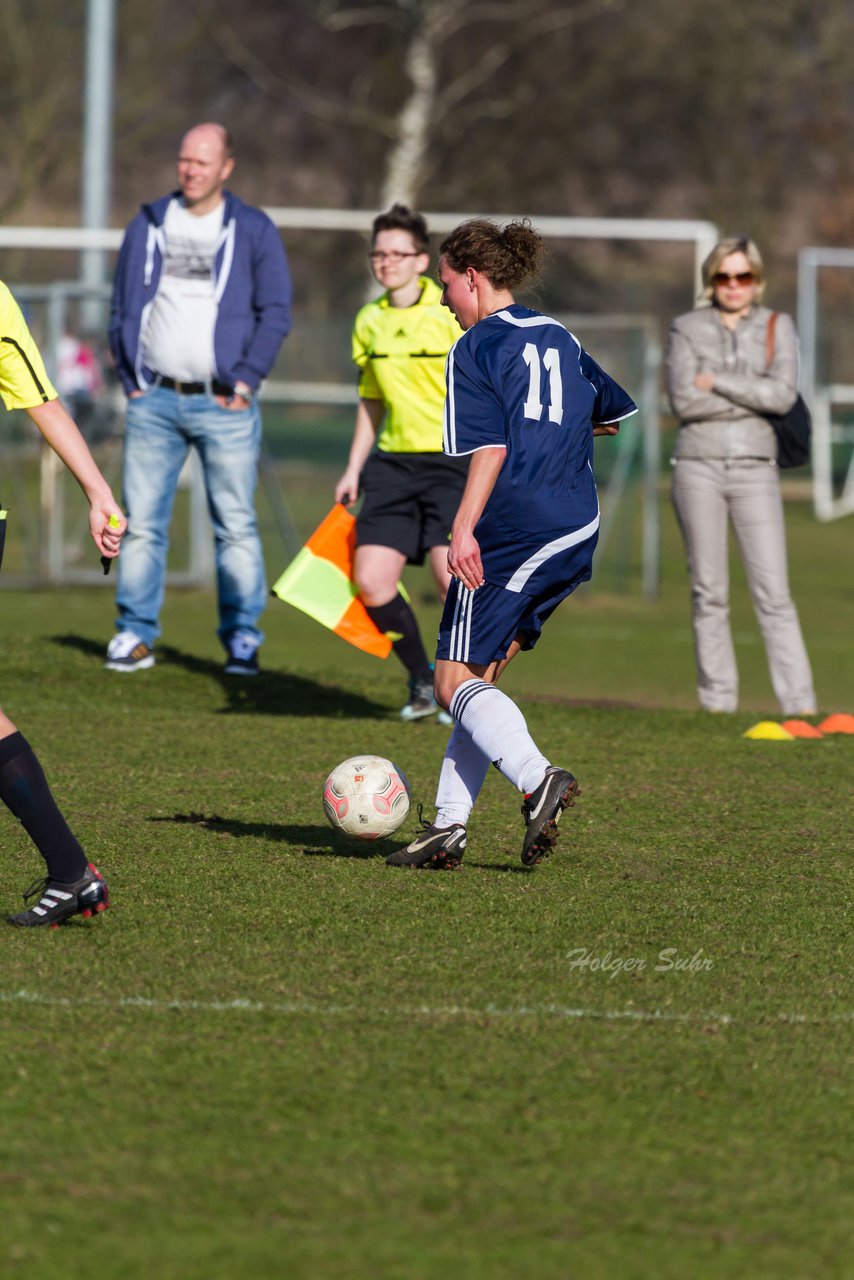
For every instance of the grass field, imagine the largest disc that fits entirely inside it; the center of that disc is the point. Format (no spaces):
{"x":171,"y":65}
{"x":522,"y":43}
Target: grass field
{"x":275,"y":1057}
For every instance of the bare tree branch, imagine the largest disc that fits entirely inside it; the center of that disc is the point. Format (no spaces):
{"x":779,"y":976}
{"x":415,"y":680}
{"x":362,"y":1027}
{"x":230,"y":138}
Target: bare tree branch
{"x":373,"y":15}
{"x":323,"y":106}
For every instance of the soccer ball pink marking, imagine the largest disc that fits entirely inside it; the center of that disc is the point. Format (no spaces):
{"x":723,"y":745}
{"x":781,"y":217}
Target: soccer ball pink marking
{"x":366,"y":797}
{"x":385,"y":801}
{"x":340,"y":804}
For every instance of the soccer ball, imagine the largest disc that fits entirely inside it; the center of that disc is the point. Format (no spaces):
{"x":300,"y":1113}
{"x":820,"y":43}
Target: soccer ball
{"x":366,"y":797}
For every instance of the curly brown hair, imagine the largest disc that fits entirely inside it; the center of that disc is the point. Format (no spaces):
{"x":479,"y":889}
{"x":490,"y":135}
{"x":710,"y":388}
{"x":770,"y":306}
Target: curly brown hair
{"x":505,"y":255}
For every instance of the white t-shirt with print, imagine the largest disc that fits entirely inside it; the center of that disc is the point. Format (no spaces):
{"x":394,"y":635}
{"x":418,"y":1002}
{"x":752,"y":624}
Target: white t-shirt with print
{"x":179,"y":334}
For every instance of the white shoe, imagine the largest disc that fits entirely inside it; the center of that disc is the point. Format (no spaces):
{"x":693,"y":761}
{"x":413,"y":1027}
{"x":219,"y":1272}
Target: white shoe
{"x":127,"y":652}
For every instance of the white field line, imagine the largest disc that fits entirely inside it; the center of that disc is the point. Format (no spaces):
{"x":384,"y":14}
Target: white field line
{"x":408,"y":1013}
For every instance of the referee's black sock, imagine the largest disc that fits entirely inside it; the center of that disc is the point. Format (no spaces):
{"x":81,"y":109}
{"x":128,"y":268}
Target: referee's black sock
{"x":24,"y":790}
{"x":397,"y":621}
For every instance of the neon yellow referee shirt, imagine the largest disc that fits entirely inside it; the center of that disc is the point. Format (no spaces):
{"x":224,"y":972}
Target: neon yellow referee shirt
{"x":23,"y":381}
{"x":400,"y":353}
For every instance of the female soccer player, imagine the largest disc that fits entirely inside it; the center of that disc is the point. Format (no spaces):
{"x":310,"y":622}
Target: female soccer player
{"x":524,"y":400}
{"x":73,"y":886}
{"x":411,"y":489}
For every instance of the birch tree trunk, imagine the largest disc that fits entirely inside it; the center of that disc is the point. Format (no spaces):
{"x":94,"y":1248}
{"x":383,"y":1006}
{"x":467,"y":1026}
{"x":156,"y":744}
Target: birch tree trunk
{"x":405,"y":162}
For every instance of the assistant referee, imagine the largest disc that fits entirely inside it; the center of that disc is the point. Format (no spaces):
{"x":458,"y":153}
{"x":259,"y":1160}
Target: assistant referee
{"x":73,"y":885}
{"x":411,"y":489}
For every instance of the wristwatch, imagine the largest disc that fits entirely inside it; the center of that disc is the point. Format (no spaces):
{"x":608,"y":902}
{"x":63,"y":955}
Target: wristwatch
{"x":243,"y":392}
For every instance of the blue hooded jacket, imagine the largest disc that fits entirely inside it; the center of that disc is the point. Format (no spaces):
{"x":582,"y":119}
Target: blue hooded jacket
{"x":252,"y":291}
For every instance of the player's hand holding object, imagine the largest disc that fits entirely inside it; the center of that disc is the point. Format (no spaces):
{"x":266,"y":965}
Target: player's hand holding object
{"x":109,"y":539}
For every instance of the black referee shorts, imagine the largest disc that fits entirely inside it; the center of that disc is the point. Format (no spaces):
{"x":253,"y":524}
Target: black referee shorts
{"x":409,"y":502}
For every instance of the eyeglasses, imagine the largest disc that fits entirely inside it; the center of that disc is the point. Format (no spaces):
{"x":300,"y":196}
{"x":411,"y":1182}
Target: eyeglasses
{"x":393,"y":256}
{"x":737,"y":277}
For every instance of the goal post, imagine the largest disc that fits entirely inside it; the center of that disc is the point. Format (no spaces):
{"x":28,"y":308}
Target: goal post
{"x":833,"y":431}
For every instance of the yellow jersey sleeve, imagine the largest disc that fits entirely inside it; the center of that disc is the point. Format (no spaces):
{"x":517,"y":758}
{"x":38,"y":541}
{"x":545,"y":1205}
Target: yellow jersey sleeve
{"x":23,"y":381}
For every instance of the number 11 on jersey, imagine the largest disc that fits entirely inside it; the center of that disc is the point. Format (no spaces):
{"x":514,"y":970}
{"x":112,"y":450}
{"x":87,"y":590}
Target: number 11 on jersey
{"x":550,"y":361}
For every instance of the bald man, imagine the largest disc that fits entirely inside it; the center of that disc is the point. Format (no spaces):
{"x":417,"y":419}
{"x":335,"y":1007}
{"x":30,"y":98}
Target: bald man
{"x":201,"y":304}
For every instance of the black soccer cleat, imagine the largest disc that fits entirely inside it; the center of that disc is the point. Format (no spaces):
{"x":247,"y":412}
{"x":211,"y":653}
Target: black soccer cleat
{"x":58,"y":902}
{"x":542,"y":810}
{"x":435,"y":849}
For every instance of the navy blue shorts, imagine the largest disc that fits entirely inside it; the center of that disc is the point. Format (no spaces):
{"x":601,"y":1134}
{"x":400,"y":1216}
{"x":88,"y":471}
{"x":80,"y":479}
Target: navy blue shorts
{"x":479,"y":626}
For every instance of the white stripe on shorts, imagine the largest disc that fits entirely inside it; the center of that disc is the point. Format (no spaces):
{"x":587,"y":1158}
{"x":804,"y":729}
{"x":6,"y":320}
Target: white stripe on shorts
{"x":461,"y":625}
{"x":523,"y":573}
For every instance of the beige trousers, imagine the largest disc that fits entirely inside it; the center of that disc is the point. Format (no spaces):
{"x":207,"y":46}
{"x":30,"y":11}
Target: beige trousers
{"x":707,"y":493}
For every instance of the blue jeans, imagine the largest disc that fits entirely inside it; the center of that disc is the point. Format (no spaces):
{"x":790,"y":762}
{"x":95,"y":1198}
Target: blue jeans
{"x":161,"y":427}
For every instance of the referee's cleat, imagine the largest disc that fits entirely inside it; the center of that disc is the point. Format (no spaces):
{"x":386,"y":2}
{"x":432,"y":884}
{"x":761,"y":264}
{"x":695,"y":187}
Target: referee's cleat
{"x":58,"y":902}
{"x":542,"y":810}
{"x":127,"y":652}
{"x":436,"y":848}
{"x":421,"y":701}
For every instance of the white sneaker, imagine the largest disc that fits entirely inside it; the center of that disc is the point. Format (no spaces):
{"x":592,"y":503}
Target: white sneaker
{"x":126,"y":652}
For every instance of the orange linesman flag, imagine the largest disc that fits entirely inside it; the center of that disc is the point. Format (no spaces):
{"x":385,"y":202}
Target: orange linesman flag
{"x":319,"y":580}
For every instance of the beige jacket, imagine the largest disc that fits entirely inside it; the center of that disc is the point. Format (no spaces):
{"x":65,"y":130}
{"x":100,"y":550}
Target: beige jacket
{"x":727,"y":422}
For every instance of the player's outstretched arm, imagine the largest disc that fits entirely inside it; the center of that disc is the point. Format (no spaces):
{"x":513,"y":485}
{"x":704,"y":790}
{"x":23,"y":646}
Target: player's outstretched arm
{"x":63,"y":435}
{"x":605,"y":428}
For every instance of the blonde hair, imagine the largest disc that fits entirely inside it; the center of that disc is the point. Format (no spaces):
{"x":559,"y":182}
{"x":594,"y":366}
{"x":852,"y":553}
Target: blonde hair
{"x":733,"y":244}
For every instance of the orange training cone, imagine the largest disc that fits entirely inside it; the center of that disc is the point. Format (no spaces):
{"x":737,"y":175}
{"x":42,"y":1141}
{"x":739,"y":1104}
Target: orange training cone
{"x":802,"y":729}
{"x":840,"y":722}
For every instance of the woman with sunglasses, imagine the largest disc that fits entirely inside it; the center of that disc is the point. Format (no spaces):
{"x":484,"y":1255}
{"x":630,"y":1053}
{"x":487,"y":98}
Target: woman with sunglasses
{"x":411,"y":489}
{"x":728,"y":366}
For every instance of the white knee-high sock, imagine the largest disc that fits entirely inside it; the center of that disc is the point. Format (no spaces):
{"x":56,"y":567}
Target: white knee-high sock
{"x":463,"y":771}
{"x":498,"y":728}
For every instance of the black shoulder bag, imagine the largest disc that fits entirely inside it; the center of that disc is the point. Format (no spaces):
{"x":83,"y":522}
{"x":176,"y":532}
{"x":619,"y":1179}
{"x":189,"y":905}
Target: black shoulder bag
{"x":793,"y":429}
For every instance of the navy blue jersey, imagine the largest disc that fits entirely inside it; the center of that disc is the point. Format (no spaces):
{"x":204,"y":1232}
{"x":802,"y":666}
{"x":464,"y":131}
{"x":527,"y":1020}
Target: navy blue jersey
{"x":521,"y":380}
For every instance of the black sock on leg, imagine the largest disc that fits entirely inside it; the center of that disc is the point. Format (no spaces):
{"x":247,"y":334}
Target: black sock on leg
{"x":25,"y":791}
{"x":397,"y":620}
